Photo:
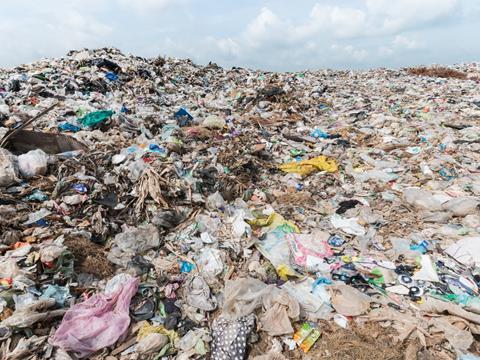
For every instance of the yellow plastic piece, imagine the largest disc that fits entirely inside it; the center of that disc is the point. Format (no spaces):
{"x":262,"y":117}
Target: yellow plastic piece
{"x":272,"y":222}
{"x":284,"y":272}
{"x":148,"y":329}
{"x":306,"y":167}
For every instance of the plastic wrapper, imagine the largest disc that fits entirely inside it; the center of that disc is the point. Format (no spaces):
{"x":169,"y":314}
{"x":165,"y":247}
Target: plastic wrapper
{"x":306,"y":336}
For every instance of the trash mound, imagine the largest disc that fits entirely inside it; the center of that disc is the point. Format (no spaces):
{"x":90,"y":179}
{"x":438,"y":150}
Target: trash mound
{"x":155,"y":208}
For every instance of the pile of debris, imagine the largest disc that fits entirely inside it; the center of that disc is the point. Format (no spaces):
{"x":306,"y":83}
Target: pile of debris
{"x":154,"y":208}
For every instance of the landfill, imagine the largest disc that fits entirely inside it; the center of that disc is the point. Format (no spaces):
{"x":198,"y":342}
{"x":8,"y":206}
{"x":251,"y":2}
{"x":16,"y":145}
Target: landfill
{"x":159,"y":209}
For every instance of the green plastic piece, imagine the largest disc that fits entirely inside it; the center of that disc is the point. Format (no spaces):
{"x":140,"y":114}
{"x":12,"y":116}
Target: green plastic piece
{"x":95,"y":117}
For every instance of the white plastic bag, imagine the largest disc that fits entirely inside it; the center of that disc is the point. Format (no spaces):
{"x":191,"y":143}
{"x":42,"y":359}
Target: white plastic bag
{"x":348,"y":225}
{"x":33,"y":163}
{"x":213,"y":122}
{"x":8,"y":171}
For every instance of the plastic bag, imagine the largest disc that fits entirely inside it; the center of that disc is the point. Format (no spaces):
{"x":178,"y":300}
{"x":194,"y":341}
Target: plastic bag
{"x":33,"y":163}
{"x":309,"y":250}
{"x":9,"y":268}
{"x":349,"y":226}
{"x":239,"y":226}
{"x":348,"y":301}
{"x":215,"y":201}
{"x":151,"y":343}
{"x":274,"y":221}
{"x":37,"y":215}
{"x":194,"y":342}
{"x":23,"y":301}
{"x":314,"y":305}
{"x":424,"y":199}
{"x":274,"y":246}
{"x":199,"y":296}
{"x":133,"y":241}
{"x":95,"y":118}
{"x":8,"y":171}
{"x":213,"y":122}
{"x":466,"y":251}
{"x":242,"y":297}
{"x":210,"y":261}
{"x":427,"y":271}
{"x":31,"y":313}
{"x":58,"y":293}
{"x":306,"y":167}
{"x":280,"y":307}
{"x":462,"y":206}
{"x":230,"y":337}
{"x":97,"y":322}
{"x":208,"y":224}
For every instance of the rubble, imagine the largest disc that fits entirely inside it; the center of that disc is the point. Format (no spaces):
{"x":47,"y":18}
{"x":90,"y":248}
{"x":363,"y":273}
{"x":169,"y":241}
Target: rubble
{"x":155,"y":208}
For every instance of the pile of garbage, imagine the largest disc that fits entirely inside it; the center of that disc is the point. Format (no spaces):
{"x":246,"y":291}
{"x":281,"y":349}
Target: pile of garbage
{"x":158,"y":209}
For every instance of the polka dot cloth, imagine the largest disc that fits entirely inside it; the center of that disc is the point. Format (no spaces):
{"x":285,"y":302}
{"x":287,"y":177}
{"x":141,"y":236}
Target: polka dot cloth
{"x":230,"y":338}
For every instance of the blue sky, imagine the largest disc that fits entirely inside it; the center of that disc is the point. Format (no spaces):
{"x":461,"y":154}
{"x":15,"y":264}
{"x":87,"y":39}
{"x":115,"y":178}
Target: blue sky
{"x":270,"y":35}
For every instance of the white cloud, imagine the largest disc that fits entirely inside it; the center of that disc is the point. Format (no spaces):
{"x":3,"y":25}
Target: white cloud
{"x":265,"y":21}
{"x":403,"y":42}
{"x":284,"y":35}
{"x":229,"y":46}
{"x":147,"y":6}
{"x":266,"y":29}
{"x":330,"y":31}
{"x":399,"y":45}
{"x":45,"y":32}
{"x":342,"y":22}
{"x":350,"y":51}
{"x":399,"y":15}
{"x":385,"y":51}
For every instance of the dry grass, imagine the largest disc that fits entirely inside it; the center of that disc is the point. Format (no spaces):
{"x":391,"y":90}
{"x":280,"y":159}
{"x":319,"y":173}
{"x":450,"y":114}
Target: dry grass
{"x":90,"y":258}
{"x":150,"y":184}
{"x":441,"y":72}
{"x":366,"y":342}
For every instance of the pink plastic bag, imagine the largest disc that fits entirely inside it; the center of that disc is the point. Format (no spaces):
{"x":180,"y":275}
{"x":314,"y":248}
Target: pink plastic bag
{"x":308,"y":248}
{"x":97,"y":322}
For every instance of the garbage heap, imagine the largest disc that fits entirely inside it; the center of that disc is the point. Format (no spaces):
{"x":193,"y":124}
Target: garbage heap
{"x":154,"y":208}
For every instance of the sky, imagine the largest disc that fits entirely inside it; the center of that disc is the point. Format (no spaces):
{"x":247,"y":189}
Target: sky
{"x":276,"y":35}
